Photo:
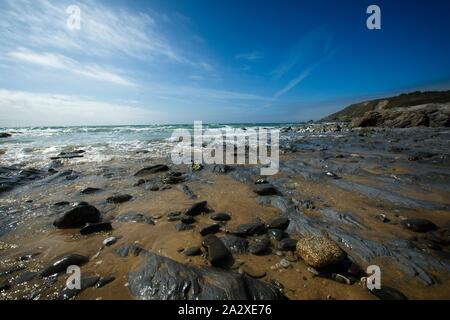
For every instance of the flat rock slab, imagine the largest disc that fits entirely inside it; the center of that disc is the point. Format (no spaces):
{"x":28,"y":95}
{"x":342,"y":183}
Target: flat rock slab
{"x":160,"y":278}
{"x":135,"y":217}
{"x":152,"y":169}
{"x":61,"y":264}
{"x":121,"y":198}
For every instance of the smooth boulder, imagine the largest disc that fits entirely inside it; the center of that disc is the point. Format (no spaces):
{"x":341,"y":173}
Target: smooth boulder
{"x":319,"y":252}
{"x":78,"y":217}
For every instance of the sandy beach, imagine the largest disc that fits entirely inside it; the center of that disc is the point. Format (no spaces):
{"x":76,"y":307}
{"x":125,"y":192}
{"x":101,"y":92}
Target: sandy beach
{"x":380,"y":195}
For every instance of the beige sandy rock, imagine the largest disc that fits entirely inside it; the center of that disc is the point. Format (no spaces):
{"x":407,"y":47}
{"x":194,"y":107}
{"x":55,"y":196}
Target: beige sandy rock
{"x":319,"y":252}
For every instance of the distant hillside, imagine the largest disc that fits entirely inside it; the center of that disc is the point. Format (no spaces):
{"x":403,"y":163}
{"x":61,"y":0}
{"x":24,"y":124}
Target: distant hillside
{"x":358,"y":110}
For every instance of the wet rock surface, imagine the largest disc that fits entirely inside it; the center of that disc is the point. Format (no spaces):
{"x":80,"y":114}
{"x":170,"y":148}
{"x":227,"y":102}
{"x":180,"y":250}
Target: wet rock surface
{"x":121,"y":198}
{"x":61,"y":264}
{"x":135,"y":217}
{"x":78,"y":217}
{"x":218,"y":253}
{"x":160,"y":278}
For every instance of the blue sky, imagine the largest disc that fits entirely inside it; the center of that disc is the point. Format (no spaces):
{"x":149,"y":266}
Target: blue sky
{"x":146,"y":62}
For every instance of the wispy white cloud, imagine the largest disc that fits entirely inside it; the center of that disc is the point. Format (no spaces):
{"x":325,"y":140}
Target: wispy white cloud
{"x":104,"y":31}
{"x":250,"y":56}
{"x":61,"y":62}
{"x":293,"y":83}
{"x":20,"y":108}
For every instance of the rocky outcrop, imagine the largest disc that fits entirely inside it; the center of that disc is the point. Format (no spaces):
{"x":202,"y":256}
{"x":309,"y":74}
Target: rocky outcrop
{"x":429,"y":115}
{"x":5,"y":135}
{"x":358,"y":110}
{"x":160,"y":278}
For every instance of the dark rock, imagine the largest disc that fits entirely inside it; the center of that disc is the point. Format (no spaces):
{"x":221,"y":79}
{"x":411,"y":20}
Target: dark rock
{"x":15,"y":268}
{"x":250,"y":229}
{"x":192,"y":251}
{"x":418,"y":225}
{"x":307,"y":204}
{"x":85,"y":282}
{"x":152,"y":169}
{"x":78,"y":217}
{"x":197,"y":208}
{"x":160,"y":278}
{"x":234,"y":243}
{"x":261,"y":246}
{"x":265,"y":190}
{"x":221,"y":168}
{"x":183,"y":226}
{"x":132,"y":249}
{"x":209,"y":229}
{"x":220,"y":216}
{"x":135,"y":217}
{"x":173,"y":178}
{"x":90,"y":190}
{"x":26,"y":277}
{"x":61,"y":203}
{"x":387,"y":293}
{"x":187,"y":219}
{"x":174,"y":214}
{"x":278,"y":223}
{"x":140,"y":182}
{"x":5,"y":285}
{"x":69,"y":155}
{"x":287,"y":244}
{"x":5,"y":135}
{"x":218,"y":253}
{"x":103,"y":281}
{"x":61,"y":264}
{"x":187,"y":191}
{"x":121,"y":198}
{"x":96,"y":227}
{"x":276,"y":234}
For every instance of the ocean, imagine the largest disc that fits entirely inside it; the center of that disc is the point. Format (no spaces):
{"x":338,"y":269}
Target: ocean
{"x":34,"y":146}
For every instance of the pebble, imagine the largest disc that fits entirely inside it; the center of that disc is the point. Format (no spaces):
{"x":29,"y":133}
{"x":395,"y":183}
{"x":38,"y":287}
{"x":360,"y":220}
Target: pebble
{"x":109,"y":241}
